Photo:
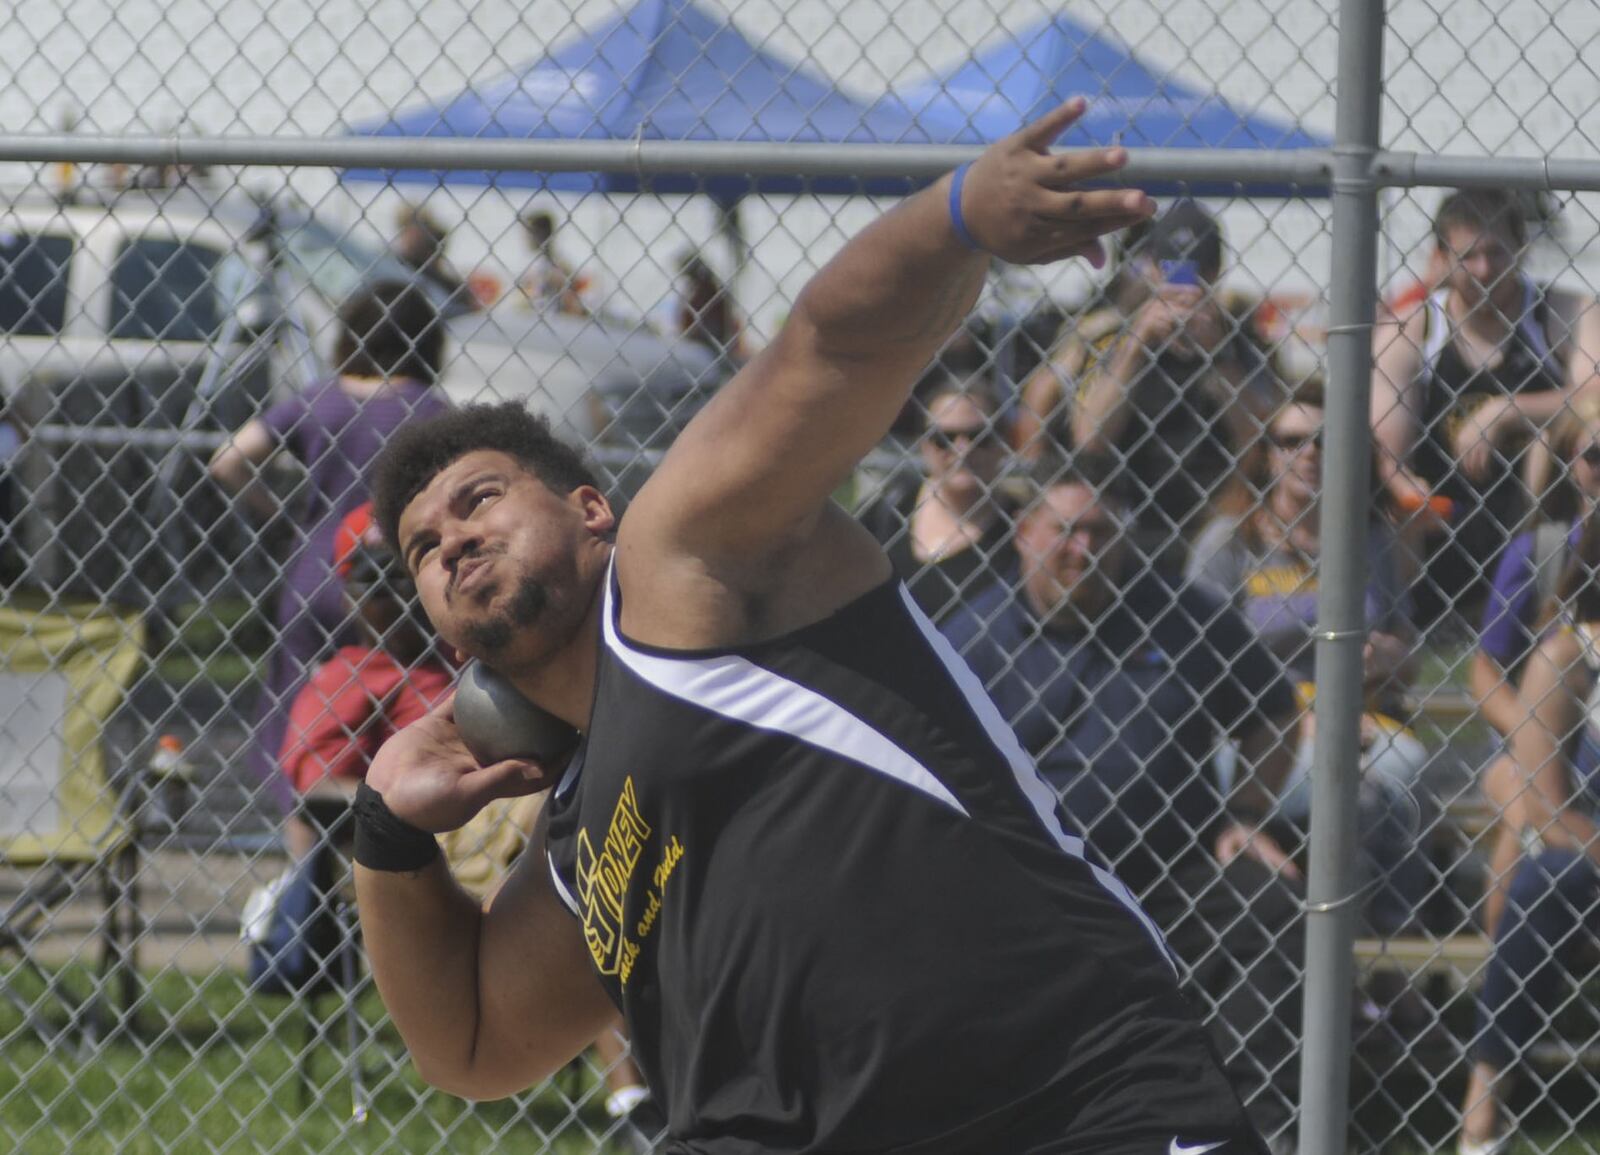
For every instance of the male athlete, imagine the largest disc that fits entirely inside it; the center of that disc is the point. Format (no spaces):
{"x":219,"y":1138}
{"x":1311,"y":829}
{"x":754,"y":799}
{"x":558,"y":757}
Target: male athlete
{"x":797,"y":844}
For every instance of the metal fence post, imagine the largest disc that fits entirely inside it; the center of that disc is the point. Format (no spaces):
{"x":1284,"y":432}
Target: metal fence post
{"x":1341,"y":632}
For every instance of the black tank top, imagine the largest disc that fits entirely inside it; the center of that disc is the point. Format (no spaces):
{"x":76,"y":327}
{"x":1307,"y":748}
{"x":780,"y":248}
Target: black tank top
{"x":1451,"y":388}
{"x":840,"y":909}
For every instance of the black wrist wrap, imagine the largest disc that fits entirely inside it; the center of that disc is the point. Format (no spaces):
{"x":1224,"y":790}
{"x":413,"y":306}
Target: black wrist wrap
{"x":387,"y":843}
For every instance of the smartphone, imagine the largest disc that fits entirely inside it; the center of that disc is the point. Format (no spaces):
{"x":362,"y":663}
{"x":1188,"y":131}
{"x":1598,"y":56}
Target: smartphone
{"x":1180,"y":272}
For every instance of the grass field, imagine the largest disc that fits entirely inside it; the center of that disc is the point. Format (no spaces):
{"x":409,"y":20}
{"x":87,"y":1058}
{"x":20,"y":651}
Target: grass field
{"x":203,"y":1068}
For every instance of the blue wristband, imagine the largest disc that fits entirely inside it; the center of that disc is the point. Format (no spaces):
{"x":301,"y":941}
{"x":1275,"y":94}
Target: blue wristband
{"x":957,"y":222}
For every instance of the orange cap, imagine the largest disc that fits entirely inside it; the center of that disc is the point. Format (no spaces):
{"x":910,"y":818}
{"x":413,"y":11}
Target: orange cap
{"x":356,"y":531}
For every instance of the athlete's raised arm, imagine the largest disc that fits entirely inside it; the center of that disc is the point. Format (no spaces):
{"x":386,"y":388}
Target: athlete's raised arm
{"x":754,"y":470}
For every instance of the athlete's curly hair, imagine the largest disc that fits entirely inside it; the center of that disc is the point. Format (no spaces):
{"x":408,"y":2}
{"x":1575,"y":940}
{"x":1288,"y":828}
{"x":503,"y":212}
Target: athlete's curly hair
{"x":420,"y":451}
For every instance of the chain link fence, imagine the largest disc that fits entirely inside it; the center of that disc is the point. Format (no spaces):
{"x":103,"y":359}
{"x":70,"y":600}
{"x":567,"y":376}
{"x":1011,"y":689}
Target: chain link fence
{"x":1318,"y":681}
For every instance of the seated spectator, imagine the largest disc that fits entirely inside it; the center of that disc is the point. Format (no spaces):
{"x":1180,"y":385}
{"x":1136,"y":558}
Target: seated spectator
{"x":1266,"y":562}
{"x":550,"y":281}
{"x":949,"y":534}
{"x":1524,"y":585}
{"x":1458,"y":382}
{"x":1169,"y":402}
{"x":368,"y":690}
{"x":1546,"y":936}
{"x":1121,"y":686}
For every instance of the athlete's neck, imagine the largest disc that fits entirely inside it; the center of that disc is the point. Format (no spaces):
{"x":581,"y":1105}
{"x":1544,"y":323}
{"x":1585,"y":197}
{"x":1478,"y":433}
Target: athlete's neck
{"x":564,"y":682}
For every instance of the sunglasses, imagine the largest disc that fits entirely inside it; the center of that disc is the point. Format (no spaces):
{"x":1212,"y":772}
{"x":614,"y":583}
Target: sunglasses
{"x":1294,"y":442}
{"x":977,"y":439}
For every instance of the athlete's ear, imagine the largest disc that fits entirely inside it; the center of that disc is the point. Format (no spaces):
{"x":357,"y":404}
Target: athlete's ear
{"x":598,"y":516}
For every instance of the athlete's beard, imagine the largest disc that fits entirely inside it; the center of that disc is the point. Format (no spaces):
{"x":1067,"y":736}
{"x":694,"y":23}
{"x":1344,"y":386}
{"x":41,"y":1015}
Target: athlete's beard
{"x":497,"y":632}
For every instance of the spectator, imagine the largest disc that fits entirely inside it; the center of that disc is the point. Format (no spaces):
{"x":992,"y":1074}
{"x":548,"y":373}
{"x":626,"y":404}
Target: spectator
{"x":1121,"y":686}
{"x":1266,"y":562}
{"x":1524,"y":584}
{"x":949,"y":534}
{"x":419,"y":243}
{"x":1551,"y":918}
{"x":367,"y":690}
{"x":706,"y":312}
{"x":1168,"y":402}
{"x":550,"y":281}
{"x":388,"y":354}
{"x":1458,"y":381}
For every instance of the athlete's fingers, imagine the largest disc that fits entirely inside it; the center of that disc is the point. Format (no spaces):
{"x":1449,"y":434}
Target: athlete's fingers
{"x":1042,"y":133}
{"x":1062,"y":170}
{"x":511,"y":778}
{"x":1107,"y":208}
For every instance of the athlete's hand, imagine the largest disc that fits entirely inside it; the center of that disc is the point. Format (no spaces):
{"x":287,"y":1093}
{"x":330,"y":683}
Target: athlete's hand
{"x":1237,"y":838}
{"x":428,"y":777}
{"x":1019,"y":202}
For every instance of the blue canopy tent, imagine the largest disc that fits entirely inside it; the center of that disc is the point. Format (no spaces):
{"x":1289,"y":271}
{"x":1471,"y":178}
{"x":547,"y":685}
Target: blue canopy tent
{"x":995,"y":91}
{"x":661,"y":70}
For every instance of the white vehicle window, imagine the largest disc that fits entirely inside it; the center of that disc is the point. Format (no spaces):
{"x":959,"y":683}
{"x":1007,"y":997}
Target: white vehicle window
{"x":33,"y":283}
{"x":164,"y":290}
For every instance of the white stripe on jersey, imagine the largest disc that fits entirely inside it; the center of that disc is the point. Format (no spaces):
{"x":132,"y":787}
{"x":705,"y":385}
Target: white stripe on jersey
{"x":561,"y":888}
{"x":1037,"y":791}
{"x":737,"y":688}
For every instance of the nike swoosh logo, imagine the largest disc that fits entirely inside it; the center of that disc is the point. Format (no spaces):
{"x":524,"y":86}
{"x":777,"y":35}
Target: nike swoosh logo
{"x":1177,"y":1148}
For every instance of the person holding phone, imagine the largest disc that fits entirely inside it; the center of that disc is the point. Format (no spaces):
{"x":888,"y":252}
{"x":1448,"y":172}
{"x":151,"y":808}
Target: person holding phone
{"x":1168,"y":402}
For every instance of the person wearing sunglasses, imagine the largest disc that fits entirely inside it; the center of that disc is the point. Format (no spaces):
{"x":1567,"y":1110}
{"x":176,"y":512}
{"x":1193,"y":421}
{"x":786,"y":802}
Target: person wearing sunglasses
{"x":1267,"y":562}
{"x":948,"y":534}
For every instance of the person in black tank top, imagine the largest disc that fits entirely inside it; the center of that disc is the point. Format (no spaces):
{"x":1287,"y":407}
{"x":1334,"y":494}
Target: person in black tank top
{"x":1458,"y":386}
{"x":795,"y":842}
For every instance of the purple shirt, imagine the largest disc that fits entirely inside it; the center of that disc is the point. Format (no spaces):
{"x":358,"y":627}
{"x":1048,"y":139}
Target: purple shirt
{"x":336,"y":437}
{"x":1276,"y":589}
{"x":1512,"y":609}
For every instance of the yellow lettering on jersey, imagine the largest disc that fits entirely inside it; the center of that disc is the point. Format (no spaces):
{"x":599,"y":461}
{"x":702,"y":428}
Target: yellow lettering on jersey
{"x":1275,"y":581}
{"x":603,"y":881}
{"x":669,"y":862}
{"x":648,"y":922}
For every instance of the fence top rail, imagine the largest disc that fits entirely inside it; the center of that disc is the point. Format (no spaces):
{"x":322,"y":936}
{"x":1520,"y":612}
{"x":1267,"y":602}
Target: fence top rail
{"x":1310,"y":169}
{"x":643,"y":158}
